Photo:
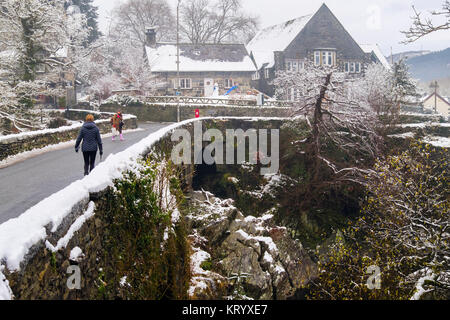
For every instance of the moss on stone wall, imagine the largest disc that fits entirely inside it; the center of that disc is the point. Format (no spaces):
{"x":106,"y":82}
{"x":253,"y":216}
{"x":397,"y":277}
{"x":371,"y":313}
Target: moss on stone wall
{"x":131,"y":250}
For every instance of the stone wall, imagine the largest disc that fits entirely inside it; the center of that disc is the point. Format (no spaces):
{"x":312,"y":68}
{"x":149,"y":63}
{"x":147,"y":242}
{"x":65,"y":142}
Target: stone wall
{"x":15,"y":144}
{"x":168,"y":113}
{"x":43,"y":273}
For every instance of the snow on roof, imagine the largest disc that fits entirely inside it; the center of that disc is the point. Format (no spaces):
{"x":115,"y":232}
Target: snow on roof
{"x":375,"y":49}
{"x":200,"y":58}
{"x":275,"y":38}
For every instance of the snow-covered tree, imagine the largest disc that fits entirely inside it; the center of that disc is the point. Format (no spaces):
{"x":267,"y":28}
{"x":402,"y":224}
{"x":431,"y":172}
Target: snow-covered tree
{"x":339,"y":114}
{"x":87,"y":8}
{"x":109,"y":64}
{"x":37,"y":33}
{"x":404,"y":232}
{"x":404,"y":87}
{"x":39,"y":39}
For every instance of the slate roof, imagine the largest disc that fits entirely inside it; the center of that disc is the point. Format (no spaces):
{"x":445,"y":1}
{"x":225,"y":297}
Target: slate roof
{"x":275,"y":38}
{"x":200,"y":58}
{"x":375,"y":49}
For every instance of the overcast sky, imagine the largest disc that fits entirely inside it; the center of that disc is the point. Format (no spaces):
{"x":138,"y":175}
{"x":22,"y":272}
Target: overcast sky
{"x":368,"y":21}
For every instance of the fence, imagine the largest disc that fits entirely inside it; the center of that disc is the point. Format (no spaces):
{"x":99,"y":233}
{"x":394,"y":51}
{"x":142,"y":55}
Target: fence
{"x":213,"y":101}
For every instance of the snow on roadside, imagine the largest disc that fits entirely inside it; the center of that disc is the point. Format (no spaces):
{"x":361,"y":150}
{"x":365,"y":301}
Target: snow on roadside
{"x":54,"y":147}
{"x":76,"y":254}
{"x":64,"y":241}
{"x":440,"y":142}
{"x":19,"y":234}
{"x":5,"y":290}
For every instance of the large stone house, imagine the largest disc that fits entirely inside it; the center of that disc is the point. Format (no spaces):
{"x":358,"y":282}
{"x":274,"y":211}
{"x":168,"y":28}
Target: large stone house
{"x":202,"y":66}
{"x":319,"y":38}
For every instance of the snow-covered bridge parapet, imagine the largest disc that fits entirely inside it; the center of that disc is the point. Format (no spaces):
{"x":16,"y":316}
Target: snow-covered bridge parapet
{"x":166,"y":111}
{"x":17,"y":143}
{"x":33,"y":241}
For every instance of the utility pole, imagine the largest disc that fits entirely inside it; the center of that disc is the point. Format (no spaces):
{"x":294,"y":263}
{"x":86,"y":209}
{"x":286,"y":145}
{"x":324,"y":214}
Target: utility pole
{"x":178,"y":60}
{"x":434,"y":85}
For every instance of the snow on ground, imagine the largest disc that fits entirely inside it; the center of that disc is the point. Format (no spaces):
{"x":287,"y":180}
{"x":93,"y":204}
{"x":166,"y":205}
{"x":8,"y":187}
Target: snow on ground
{"x":76,"y":254}
{"x":406,"y":135}
{"x":440,"y":142}
{"x":425,"y":124}
{"x":5,"y":290}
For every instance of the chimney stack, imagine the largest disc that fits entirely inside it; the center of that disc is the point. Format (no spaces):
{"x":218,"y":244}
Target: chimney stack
{"x":150,"y":37}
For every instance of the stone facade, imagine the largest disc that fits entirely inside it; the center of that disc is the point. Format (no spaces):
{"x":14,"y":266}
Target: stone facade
{"x":197,"y":80}
{"x":321,"y":41}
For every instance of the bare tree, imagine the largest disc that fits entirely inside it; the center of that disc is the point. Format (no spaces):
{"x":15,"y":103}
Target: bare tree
{"x":130,"y":20}
{"x":423,"y":26}
{"x":217,"y":22}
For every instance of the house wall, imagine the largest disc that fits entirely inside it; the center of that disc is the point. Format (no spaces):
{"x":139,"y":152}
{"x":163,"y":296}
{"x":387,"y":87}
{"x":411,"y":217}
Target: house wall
{"x":323,"y":31}
{"x":442,"y":106}
{"x":242,"y":79}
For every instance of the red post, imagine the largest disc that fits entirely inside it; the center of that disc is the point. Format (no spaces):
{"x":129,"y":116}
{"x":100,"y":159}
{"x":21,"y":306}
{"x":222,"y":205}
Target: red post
{"x":197,"y":113}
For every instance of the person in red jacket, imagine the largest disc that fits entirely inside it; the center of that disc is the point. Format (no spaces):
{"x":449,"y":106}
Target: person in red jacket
{"x":117,"y":125}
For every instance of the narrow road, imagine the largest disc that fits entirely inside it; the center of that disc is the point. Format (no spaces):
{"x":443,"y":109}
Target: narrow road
{"x":26,"y":183}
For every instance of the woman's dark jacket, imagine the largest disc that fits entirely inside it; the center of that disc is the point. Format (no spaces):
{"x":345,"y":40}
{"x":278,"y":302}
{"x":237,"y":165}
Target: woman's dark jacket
{"x":90,"y":135}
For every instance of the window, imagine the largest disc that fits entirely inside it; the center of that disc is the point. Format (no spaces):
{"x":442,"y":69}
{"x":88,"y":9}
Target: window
{"x":255,"y":76}
{"x":288,"y":66}
{"x":324,"y":58}
{"x":185,"y":83}
{"x":267,"y":73}
{"x":295,"y":65}
{"x":353,"y":67}
{"x":228,"y":83}
{"x":317,"y":58}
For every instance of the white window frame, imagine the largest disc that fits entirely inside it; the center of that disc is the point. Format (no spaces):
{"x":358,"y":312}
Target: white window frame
{"x":347,"y":67}
{"x":229,"y":83}
{"x":317,"y":58}
{"x":324,"y":58}
{"x":266,"y":73}
{"x":182,"y":83}
{"x":358,"y":67}
{"x":352,"y":67}
{"x":256,"y":76}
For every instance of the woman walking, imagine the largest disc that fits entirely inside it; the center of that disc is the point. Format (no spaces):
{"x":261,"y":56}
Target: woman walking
{"x":92,"y":141}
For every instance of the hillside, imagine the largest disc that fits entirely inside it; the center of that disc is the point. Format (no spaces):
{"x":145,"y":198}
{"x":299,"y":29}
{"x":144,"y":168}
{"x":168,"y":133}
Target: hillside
{"x":406,"y":55}
{"x":432,"y":66}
